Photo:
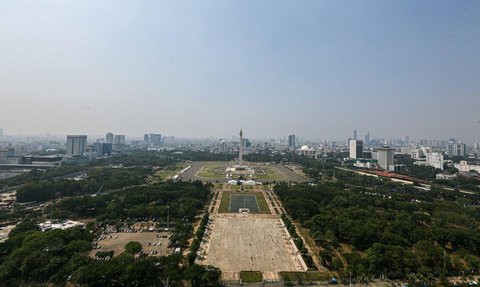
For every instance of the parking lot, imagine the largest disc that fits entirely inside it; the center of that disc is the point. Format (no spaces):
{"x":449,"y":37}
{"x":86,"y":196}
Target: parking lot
{"x":154,"y":243}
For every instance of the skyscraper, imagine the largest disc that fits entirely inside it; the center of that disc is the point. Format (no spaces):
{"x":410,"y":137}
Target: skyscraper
{"x":356,"y":149}
{"x":456,"y":149}
{"x":103,"y":149}
{"x":291,"y":141}
{"x":385,"y":156}
{"x":155,"y":140}
{"x":109,"y":138}
{"x":355,"y":135}
{"x":118,"y":142}
{"x":76,"y":144}
{"x":222,"y":145}
{"x":367,"y":138}
{"x":119,"y":139}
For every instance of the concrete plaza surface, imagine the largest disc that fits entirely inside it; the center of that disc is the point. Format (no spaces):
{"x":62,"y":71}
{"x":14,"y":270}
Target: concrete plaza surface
{"x":242,"y":242}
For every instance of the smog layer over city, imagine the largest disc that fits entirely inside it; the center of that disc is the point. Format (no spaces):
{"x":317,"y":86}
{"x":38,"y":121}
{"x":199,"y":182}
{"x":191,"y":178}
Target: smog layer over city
{"x":229,"y":143}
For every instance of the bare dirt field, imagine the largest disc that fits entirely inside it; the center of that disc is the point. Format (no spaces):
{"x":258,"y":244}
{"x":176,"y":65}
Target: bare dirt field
{"x":242,"y":242}
{"x":116,"y":241}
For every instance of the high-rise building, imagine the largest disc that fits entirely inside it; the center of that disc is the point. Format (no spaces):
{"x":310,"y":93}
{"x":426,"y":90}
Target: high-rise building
{"x":477,"y":145}
{"x":109,"y":138}
{"x":367,"y":138}
{"x":356,"y":149}
{"x":222,"y":145}
{"x":103,"y":149}
{"x":119,"y":139}
{"x":155,"y":140}
{"x":76,"y":144}
{"x":118,"y":142}
{"x":291,"y":141}
{"x":385,"y":157}
{"x":355,"y":135}
{"x":435,"y":159}
{"x":456,"y":149}
{"x":146,"y":138}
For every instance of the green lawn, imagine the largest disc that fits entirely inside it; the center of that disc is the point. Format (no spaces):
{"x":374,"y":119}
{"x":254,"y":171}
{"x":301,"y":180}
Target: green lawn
{"x":212,"y":171}
{"x":251,"y":276}
{"x":304,"y":276}
{"x":169,"y":171}
{"x":225,"y":203}
{"x":266,"y":172}
{"x":262,"y":203}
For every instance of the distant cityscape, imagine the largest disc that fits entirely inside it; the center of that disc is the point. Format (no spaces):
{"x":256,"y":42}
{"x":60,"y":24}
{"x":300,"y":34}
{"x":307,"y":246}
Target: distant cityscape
{"x":20,"y":154}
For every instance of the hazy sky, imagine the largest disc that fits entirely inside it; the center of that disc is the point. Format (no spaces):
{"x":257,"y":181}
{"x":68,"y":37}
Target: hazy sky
{"x":318,"y":69}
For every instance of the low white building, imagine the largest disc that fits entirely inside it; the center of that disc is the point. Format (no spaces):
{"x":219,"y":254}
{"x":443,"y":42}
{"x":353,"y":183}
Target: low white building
{"x":445,"y":176}
{"x":464,"y":166}
{"x":365,"y":164}
{"x":307,"y":151}
{"x":47,"y":225}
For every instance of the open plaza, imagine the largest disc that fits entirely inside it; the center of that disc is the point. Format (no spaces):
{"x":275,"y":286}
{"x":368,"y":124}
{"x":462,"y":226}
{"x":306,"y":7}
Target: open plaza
{"x":247,"y":242}
{"x":263,"y":172}
{"x":246,"y":234}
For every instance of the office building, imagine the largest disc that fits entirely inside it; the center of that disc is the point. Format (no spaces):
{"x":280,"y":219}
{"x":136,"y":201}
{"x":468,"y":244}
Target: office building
{"x":118,"y":142}
{"x":119,"y":139}
{"x":385,"y":157}
{"x":76,"y":145}
{"x":291,"y":141}
{"x":355,"y":135}
{"x":103,"y":149}
{"x":367,"y":138}
{"x":109,"y":138}
{"x":356,"y":149}
{"x":456,"y":149}
{"x":435,"y":159}
{"x":465,"y":166}
{"x":222,"y":145}
{"x":155,"y":140}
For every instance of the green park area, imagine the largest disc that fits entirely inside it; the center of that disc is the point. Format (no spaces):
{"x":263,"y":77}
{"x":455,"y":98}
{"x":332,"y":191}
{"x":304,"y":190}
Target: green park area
{"x":169,"y":171}
{"x":267,"y":172}
{"x":213,"y":170}
{"x":226,"y":198}
{"x":313,"y":276}
{"x":264,"y":172}
{"x":251,"y":276}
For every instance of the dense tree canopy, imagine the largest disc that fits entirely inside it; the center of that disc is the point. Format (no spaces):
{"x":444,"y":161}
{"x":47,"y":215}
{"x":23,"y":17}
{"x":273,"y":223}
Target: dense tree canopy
{"x":385,"y":229}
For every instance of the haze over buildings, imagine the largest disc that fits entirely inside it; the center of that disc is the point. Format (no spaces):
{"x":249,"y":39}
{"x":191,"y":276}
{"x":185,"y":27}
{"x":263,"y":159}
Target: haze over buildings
{"x":318,"y":68}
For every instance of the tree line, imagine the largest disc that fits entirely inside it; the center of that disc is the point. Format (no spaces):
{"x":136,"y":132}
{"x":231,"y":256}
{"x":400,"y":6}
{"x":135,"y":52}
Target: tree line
{"x":390,"y":230}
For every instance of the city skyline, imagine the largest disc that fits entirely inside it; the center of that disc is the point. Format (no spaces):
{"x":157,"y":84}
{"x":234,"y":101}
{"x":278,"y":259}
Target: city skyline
{"x":190,"y":69}
{"x":94,"y":137}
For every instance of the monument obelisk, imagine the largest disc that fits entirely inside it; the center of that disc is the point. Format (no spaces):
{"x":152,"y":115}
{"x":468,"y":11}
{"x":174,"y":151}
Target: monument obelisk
{"x":240,"y":151}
